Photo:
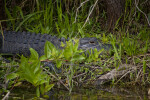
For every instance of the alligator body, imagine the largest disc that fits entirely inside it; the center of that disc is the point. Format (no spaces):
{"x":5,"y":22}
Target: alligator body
{"x":19,"y":43}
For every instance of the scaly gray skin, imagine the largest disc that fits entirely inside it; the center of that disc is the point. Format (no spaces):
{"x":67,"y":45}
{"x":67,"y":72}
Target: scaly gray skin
{"x":92,"y":43}
{"x":20,"y":42}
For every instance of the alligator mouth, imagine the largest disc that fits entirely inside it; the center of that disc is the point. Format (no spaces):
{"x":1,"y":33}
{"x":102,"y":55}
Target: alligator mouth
{"x":91,"y":42}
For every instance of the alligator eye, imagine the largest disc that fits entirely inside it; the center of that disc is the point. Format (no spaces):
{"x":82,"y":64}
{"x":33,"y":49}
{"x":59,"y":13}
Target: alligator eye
{"x":92,"y":42}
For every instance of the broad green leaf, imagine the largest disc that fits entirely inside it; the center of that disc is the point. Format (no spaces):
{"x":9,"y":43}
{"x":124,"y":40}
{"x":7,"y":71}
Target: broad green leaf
{"x":77,"y":58}
{"x":68,"y":53}
{"x":47,"y":50}
{"x":35,"y":66}
{"x":12,"y":76}
{"x":61,"y":54}
{"x":18,"y":83}
{"x":46,"y":96}
{"x":62,"y":44}
{"x":34,"y":55}
{"x":38,"y":92}
{"x":75,"y":47}
{"x":58,"y":63}
{"x":51,"y":50}
{"x":95,"y":53}
{"x":54,"y":52}
{"x":99,"y":52}
{"x":42,"y":81}
{"x":49,"y":87}
{"x":23,"y":63}
{"x":42,"y":89}
{"x":80,"y":51}
{"x":51,"y":46}
{"x":43,"y":57}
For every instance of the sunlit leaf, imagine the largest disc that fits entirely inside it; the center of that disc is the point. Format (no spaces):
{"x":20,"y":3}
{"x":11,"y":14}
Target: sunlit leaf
{"x":42,"y":81}
{"x":23,"y":63}
{"x":99,"y":52}
{"x":42,"y":89}
{"x":58,"y":63}
{"x":46,"y":96}
{"x":35,"y":66}
{"x":61,"y":54}
{"x":68,"y":53}
{"x":75,"y":47}
{"x":18,"y":84}
{"x":47,"y":50}
{"x":62,"y":44}
{"x":54,"y":52}
{"x":77,"y":58}
{"x":34,"y":55}
{"x":38,"y":92}
{"x":49,"y":87}
{"x":12,"y":76}
{"x":43,"y":57}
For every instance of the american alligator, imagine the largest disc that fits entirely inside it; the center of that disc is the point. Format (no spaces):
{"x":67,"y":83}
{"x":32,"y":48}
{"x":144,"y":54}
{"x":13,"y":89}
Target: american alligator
{"x":19,"y":43}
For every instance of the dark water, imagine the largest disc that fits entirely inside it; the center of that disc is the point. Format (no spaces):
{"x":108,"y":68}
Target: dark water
{"x":105,"y":93}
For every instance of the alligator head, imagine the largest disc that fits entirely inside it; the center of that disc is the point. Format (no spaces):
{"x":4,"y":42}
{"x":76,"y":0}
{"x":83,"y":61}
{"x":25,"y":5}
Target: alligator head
{"x":92,"y":43}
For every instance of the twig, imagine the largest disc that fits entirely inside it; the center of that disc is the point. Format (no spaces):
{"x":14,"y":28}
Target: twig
{"x":87,"y":19}
{"x":136,"y":4}
{"x":123,"y":76}
{"x":144,"y":2}
{"x":56,"y":78}
{"x":6,"y":96}
{"x":82,"y":74}
{"x":138,"y":74}
{"x":78,"y":10}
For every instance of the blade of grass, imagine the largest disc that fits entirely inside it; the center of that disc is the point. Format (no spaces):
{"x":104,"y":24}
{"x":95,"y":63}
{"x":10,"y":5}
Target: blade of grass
{"x":115,"y":49}
{"x":29,"y":16}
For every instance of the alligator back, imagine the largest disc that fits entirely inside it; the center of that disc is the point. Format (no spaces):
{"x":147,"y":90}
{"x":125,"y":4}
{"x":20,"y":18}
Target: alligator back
{"x":20,"y":42}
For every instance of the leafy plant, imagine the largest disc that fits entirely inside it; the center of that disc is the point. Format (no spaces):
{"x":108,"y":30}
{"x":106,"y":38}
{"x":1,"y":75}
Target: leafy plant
{"x":70,"y":53}
{"x":31,"y":71}
{"x":130,"y":46}
{"x":93,"y":55}
{"x":117,"y":52}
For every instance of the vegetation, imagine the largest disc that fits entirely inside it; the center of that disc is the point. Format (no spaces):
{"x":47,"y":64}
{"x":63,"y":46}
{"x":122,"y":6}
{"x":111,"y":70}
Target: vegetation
{"x":68,"y":19}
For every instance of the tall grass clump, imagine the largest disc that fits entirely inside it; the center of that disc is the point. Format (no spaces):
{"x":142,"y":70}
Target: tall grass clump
{"x":48,"y":17}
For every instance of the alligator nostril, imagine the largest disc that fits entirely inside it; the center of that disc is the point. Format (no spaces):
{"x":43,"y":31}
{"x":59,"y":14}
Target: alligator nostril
{"x":91,"y":42}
